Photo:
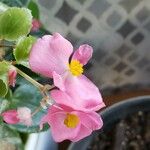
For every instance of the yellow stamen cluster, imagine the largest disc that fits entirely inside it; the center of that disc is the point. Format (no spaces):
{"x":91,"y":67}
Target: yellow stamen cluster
{"x":76,"y":68}
{"x":71,"y":120}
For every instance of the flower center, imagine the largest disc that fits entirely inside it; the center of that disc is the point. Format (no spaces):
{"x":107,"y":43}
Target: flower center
{"x":76,"y":68}
{"x":71,"y":120}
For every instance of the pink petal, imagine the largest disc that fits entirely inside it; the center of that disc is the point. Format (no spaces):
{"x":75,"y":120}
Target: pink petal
{"x":58,"y":81}
{"x":24,"y":115}
{"x":59,"y":130}
{"x":50,"y":53}
{"x":63,"y":99}
{"x":86,"y":92}
{"x":84,"y":132}
{"x":52,"y":110}
{"x":10,"y":117}
{"x":83,"y":54}
{"x":12,"y":73}
{"x":91,"y":120}
{"x":80,"y":93}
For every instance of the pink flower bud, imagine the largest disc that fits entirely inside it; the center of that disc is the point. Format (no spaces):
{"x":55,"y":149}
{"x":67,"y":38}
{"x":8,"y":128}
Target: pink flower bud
{"x":36,"y":24}
{"x":12,"y":73}
{"x":10,"y":117}
{"x":21,"y":115}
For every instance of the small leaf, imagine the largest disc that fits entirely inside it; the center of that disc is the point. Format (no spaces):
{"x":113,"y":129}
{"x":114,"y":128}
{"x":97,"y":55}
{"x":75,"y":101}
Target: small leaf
{"x":9,"y":139}
{"x":34,"y":9}
{"x":4,"y":67}
{"x":22,"y":50}
{"x":28,"y":96}
{"x":14,"y":23}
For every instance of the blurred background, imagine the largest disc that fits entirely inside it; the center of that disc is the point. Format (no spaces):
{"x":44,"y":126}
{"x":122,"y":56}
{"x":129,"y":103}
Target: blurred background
{"x":118,"y":30}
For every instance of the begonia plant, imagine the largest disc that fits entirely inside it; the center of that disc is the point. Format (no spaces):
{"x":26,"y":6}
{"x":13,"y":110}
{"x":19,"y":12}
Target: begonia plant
{"x":68,"y":104}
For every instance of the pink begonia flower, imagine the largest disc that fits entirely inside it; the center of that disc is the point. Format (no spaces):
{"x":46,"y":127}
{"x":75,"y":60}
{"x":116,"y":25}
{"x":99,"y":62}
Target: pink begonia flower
{"x":21,"y":115}
{"x":71,"y":124}
{"x":36,"y":24}
{"x":50,"y":57}
{"x":12,"y":74}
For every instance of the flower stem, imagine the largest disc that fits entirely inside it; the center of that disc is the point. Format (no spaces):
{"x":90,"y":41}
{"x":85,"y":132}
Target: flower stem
{"x":34,"y":82}
{"x":36,"y":111}
{"x":43,"y":88}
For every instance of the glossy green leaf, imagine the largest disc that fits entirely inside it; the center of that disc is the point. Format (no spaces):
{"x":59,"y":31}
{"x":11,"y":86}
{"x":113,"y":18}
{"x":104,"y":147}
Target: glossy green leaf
{"x":4,"y":67}
{"x":22,"y":50}
{"x":28,"y":96}
{"x":14,"y":23}
{"x":9,"y":139}
{"x":34,"y":9}
{"x":18,"y":3}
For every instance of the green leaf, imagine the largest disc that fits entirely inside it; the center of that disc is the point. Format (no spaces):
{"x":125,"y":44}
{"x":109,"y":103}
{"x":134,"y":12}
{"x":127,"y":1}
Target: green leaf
{"x":4,"y":67}
{"x":28,"y":96}
{"x":22,"y":50}
{"x":14,"y":23}
{"x":17,"y":3}
{"x":3,"y":88}
{"x":9,"y":139}
{"x":8,"y":96}
{"x":34,"y":9}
